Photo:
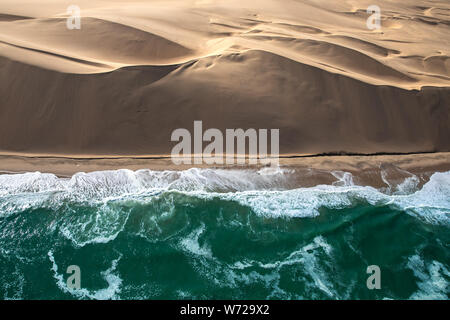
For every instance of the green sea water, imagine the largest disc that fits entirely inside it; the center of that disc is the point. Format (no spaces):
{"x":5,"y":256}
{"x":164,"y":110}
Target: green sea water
{"x":220,"y":234}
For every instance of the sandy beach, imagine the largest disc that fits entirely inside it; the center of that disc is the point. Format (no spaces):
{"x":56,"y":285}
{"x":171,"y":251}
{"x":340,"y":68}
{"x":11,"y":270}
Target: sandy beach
{"x":378,"y":171}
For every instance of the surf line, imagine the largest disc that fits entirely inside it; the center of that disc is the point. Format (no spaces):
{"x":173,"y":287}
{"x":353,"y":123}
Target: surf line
{"x":192,"y":310}
{"x":214,"y":153}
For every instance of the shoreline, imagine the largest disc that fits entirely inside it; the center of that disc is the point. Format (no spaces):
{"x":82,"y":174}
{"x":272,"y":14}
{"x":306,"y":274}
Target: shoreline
{"x":309,"y":170}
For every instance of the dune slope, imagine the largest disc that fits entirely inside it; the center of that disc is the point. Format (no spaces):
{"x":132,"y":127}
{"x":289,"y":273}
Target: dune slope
{"x":135,"y":72}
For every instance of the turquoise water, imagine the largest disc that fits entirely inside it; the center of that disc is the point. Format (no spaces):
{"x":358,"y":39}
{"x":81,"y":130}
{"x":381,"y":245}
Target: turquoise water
{"x":221,"y":234}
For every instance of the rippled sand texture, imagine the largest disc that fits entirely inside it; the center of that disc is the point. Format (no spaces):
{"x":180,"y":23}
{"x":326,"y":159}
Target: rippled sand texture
{"x":137,"y":71}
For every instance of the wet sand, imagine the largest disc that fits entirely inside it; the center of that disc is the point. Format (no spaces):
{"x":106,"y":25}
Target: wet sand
{"x":308,"y":170}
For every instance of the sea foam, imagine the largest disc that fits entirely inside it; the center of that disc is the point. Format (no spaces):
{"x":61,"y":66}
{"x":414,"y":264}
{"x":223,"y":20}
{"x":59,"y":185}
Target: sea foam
{"x":267,"y":193}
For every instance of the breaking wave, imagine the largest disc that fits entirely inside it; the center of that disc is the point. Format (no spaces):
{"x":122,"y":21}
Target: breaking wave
{"x":213,"y":233}
{"x":268,"y":193}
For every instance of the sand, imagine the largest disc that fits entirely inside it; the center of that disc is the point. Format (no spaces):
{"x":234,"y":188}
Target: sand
{"x":378,"y":171}
{"x":138,"y":70}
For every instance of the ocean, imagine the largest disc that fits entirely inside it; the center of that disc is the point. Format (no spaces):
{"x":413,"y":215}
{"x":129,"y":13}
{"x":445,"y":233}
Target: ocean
{"x":221,"y":234}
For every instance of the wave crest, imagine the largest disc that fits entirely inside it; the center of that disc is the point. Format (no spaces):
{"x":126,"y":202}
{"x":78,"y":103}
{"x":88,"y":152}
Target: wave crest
{"x":269,"y":194}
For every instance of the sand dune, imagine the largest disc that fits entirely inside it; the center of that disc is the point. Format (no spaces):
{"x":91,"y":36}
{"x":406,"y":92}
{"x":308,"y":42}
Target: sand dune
{"x":136,"y":71}
{"x":98,"y":40}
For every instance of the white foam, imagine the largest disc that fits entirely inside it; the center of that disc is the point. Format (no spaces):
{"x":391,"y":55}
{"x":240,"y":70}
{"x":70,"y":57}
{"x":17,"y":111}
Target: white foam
{"x":108,"y":184}
{"x":399,"y":182}
{"x":345,"y":179}
{"x":109,"y":293}
{"x":305,"y":258}
{"x":102,"y":227}
{"x":408,"y":185}
{"x":432,"y":283}
{"x":266,"y":194}
{"x":432,"y":202}
{"x":302,"y":202}
{"x":192,"y":245}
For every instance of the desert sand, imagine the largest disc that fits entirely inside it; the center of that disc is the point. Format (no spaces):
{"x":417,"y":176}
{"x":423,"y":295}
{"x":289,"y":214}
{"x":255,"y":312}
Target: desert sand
{"x":138,"y":70}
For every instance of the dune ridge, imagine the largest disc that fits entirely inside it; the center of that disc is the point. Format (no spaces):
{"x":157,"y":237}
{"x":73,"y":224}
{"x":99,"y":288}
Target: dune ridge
{"x":137,"y":71}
